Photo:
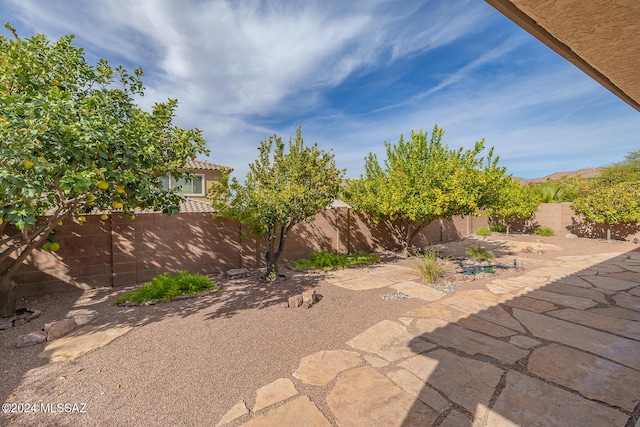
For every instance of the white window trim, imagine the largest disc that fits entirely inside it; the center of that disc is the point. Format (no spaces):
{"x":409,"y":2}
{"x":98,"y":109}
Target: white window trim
{"x":171,"y":179}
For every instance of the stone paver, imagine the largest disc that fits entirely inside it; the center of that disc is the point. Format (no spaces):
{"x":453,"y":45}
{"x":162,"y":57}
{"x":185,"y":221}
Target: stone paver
{"x":471,"y":302}
{"x":480,"y":325}
{"x":610,"y":283}
{"x":364,"y":283}
{"x":635,"y":291}
{"x":365,"y":397}
{"x":439,"y":311}
{"x":465,"y":381}
{"x":416,"y":290}
{"x":524,"y":342}
{"x":591,"y":376}
{"x":321,"y":368}
{"x":620,"y":313}
{"x":627,"y":328}
{"x":627,"y":301}
{"x":416,"y":388}
{"x":498,"y":315}
{"x":526,"y":401}
{"x":472,"y":343}
{"x":238,"y":410}
{"x":279,"y":390}
{"x":621,"y":350}
{"x":299,"y":412}
{"x":530,"y":304}
{"x":561,"y":288}
{"x":395,"y":273}
{"x":374,"y":361}
{"x":574,"y":281}
{"x":389,"y":340}
{"x":456,"y":419}
{"x":561,"y":299}
{"x":82,"y":341}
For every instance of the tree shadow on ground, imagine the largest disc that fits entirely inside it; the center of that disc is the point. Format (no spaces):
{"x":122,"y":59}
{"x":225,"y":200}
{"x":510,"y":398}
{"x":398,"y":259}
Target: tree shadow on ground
{"x":564,"y":353}
{"x":599,"y":231}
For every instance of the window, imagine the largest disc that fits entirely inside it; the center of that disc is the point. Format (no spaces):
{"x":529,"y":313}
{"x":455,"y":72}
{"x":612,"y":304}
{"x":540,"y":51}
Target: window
{"x":187,"y":187}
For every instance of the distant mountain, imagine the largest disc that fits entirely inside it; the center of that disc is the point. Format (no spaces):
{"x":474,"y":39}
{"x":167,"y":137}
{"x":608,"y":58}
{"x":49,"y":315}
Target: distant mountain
{"x":582,"y":173}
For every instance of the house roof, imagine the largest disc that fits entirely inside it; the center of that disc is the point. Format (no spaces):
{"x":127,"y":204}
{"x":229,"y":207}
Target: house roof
{"x":599,"y":37}
{"x":203,"y":165}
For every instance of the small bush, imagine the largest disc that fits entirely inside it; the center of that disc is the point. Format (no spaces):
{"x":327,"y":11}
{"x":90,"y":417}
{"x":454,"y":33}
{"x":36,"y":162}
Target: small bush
{"x":164,"y":288}
{"x":543,"y":231}
{"x":483,"y":231}
{"x":498,"y":228}
{"x":430,"y":266}
{"x":479,"y":253}
{"x":325,"y":260}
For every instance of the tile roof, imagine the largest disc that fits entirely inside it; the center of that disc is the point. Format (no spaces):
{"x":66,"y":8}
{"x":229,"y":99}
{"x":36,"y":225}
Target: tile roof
{"x":203,"y":165}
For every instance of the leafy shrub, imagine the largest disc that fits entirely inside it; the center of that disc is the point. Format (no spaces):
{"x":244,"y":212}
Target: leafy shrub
{"x":430,"y":266}
{"x":483,"y":231}
{"x":164,"y":287}
{"x":543,"y":231}
{"x":498,"y":228}
{"x":479,"y":253}
{"x":330,"y":259}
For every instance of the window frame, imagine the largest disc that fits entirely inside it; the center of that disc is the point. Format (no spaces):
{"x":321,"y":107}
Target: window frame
{"x":172,"y":186}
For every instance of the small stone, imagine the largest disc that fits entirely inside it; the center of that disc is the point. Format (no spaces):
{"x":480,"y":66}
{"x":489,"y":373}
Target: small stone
{"x":4,"y":325}
{"x":19,"y":322}
{"x":32,"y":338}
{"x":34,"y":315}
{"x":310,"y":297}
{"x":284,"y":304}
{"x":236,"y":273}
{"x":528,"y":250}
{"x":295,"y":301}
{"x":570,"y":236}
{"x":60,"y":328}
{"x":306,"y":304}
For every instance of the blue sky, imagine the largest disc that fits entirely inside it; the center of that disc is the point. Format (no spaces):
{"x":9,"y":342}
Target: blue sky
{"x":352,"y":74}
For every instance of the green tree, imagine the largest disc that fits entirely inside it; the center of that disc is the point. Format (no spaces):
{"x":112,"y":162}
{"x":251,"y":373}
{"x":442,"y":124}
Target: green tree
{"x":614,"y":197}
{"x":282,"y":189}
{"x":423,"y":180}
{"x":515,"y":201}
{"x":73,"y":140}
{"x":626,"y":170}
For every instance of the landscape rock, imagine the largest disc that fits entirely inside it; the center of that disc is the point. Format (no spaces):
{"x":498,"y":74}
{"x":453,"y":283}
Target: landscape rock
{"x":60,"y":328}
{"x":528,"y":250}
{"x":34,"y":315}
{"x":570,"y":236}
{"x":32,"y":338}
{"x":284,"y":304}
{"x":306,"y":304}
{"x":310,"y":297}
{"x":19,"y":322}
{"x":236,"y":273}
{"x":5,"y":325}
{"x":295,"y":301}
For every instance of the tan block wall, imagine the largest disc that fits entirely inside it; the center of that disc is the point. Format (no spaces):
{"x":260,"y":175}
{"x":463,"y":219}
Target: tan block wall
{"x":122,"y":252}
{"x":562,"y":220}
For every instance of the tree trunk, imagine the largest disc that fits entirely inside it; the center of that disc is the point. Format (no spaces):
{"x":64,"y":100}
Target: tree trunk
{"x":7,"y":296}
{"x":273,"y":254}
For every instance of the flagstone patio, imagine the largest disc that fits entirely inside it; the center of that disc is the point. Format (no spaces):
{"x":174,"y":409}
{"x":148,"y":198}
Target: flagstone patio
{"x":557,"y":345}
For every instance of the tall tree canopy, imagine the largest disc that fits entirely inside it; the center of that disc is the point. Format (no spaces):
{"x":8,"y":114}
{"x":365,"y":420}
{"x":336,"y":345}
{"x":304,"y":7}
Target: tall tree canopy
{"x":282,"y":189}
{"x":72,"y":140}
{"x":423,"y":180}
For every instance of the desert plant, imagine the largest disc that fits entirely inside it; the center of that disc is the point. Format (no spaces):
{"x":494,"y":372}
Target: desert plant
{"x":479,"y":253}
{"x":498,"y":228}
{"x":331,"y":259}
{"x":165,"y":287}
{"x":483,"y":231}
{"x":430,"y":266}
{"x":543,"y":231}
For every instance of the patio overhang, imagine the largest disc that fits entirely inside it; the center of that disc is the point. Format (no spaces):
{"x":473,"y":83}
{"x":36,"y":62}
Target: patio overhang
{"x":600,"y":38}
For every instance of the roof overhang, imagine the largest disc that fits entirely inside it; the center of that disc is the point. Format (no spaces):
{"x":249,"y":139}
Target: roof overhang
{"x":602,"y":38}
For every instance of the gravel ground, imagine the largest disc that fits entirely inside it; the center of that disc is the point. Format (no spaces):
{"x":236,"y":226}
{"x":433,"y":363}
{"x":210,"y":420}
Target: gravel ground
{"x":186,"y":363}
